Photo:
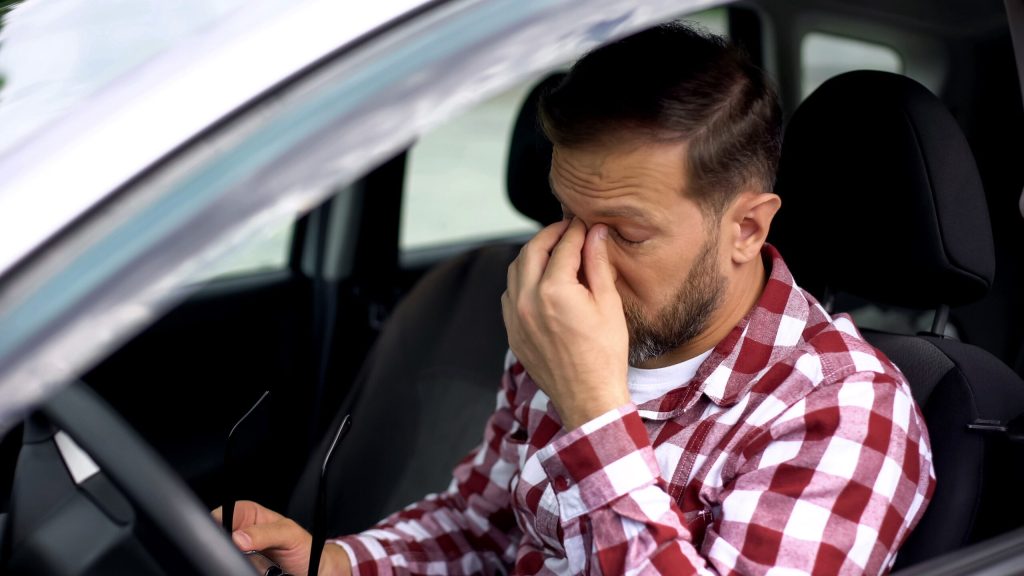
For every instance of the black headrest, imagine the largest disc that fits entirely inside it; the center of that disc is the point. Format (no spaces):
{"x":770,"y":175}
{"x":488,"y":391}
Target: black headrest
{"x":529,"y":161}
{"x":881,"y":197}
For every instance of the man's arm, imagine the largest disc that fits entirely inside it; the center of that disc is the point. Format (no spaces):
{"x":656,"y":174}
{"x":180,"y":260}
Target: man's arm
{"x":831,"y":486}
{"x":469,"y":529}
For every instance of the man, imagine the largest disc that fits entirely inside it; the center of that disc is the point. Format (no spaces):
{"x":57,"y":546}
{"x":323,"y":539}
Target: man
{"x":672,"y":403}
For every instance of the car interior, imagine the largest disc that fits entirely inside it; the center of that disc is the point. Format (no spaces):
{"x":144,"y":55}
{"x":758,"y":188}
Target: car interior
{"x":900,"y":187}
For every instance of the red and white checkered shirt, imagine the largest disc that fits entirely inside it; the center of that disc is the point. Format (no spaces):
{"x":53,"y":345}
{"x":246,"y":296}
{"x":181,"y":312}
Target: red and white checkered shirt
{"x":797,"y":448}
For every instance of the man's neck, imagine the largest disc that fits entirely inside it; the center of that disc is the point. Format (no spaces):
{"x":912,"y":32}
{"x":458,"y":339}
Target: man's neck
{"x":741,"y":296}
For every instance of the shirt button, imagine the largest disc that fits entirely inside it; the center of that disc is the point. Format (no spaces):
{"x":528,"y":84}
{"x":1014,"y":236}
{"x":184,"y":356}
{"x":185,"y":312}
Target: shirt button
{"x":561,"y":483}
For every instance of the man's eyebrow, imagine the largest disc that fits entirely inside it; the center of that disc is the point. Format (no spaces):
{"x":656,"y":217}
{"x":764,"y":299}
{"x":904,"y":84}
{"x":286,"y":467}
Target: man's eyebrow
{"x":616,"y":212}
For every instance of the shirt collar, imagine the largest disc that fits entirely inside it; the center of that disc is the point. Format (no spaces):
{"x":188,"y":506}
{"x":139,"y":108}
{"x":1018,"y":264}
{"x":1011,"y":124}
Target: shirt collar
{"x":772,"y":328}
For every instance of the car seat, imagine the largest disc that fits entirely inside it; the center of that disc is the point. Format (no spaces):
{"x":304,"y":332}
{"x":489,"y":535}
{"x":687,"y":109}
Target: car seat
{"x":431,"y":381}
{"x":881,"y":200}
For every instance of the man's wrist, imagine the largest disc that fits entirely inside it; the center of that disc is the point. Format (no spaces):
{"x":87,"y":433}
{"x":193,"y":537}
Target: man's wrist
{"x":599,"y":462}
{"x":334,"y":561}
{"x":577,"y":414}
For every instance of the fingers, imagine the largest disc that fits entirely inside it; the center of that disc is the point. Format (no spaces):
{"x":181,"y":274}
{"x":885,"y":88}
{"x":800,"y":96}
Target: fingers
{"x":282,"y":534}
{"x":508,"y":317}
{"x":533,"y":259}
{"x":600,"y":273}
{"x":556,"y":254}
{"x":246,"y":514}
{"x":512,"y":278}
{"x":565,"y":257}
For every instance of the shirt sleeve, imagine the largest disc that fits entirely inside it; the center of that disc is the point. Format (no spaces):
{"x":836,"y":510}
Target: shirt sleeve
{"x":469,"y":529}
{"x":832,"y":486}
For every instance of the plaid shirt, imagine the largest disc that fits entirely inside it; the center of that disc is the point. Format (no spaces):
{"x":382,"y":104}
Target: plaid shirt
{"x":796,"y":448}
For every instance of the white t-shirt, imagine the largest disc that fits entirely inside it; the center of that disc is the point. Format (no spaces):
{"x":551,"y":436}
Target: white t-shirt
{"x":648,"y":384}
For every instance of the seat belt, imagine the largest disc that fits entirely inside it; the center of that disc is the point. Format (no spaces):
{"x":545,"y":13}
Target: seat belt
{"x":364,"y":298}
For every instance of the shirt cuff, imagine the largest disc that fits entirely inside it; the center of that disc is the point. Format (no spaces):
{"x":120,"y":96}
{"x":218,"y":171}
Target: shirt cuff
{"x":365,"y":555}
{"x":599,"y":462}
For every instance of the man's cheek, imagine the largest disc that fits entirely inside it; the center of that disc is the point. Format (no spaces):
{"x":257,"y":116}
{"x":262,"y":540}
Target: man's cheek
{"x":624,"y":277}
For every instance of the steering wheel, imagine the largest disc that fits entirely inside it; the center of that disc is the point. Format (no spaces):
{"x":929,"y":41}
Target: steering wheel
{"x":147,"y":481}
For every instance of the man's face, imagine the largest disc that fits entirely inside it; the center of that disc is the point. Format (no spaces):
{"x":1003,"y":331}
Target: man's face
{"x":665,"y":250}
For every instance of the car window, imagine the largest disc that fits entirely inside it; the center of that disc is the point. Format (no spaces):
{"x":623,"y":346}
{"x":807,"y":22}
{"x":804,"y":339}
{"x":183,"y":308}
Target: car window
{"x":455,"y":177}
{"x":267,"y":251}
{"x":823,"y":56}
{"x":280,"y":155}
{"x":455,"y":180}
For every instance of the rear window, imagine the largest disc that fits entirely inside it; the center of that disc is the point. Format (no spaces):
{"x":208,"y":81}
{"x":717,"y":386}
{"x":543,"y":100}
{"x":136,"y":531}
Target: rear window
{"x":823,"y":56}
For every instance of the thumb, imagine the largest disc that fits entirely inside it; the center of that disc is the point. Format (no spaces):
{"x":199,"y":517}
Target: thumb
{"x":601,"y":275}
{"x":280,"y":535}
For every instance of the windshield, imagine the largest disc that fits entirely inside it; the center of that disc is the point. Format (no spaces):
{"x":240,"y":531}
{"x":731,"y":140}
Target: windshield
{"x":56,"y":53}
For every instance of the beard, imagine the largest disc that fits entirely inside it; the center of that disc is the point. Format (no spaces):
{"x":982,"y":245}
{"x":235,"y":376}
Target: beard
{"x":685,"y":317}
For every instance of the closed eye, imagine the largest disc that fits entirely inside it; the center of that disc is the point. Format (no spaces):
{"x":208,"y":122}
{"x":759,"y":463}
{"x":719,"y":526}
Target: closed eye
{"x":626,"y":241}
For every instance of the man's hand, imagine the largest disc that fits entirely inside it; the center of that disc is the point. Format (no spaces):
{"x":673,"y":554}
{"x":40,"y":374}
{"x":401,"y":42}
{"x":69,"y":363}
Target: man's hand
{"x":570,"y":336}
{"x":281,"y":540}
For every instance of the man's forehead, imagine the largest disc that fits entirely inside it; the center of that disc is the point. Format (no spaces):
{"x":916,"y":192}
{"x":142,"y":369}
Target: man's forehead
{"x":617,"y":183}
{"x":620,"y":164}
{"x":630,"y":208}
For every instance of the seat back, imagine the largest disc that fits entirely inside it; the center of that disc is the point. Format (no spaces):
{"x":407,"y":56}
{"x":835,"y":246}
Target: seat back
{"x":423,"y":396}
{"x":421,"y":399}
{"x":881,"y":199}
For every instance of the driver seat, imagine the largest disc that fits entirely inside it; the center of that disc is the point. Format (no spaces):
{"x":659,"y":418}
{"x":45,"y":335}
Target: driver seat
{"x":917,"y":235}
{"x":424,"y":394}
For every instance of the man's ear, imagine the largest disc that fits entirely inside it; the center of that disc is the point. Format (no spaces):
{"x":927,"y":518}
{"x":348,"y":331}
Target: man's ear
{"x":749,"y":218}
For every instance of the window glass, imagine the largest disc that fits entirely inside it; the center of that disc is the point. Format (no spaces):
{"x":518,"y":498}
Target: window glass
{"x":715,"y":20}
{"x":823,"y":56}
{"x":455,"y":175}
{"x":455,"y":178}
{"x":266,"y":251}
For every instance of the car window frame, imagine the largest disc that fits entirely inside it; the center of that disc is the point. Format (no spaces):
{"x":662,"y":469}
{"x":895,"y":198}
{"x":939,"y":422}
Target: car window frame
{"x":116,"y":268}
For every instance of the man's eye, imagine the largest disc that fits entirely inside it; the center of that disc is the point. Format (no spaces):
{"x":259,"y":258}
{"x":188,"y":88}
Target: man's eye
{"x":618,"y":235}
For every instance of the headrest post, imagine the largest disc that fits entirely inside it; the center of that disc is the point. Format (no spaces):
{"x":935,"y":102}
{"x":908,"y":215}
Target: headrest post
{"x":941,"y":318}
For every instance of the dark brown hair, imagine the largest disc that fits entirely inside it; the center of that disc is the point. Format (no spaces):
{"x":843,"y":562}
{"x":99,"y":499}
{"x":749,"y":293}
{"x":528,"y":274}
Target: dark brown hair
{"x":669,"y":83}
